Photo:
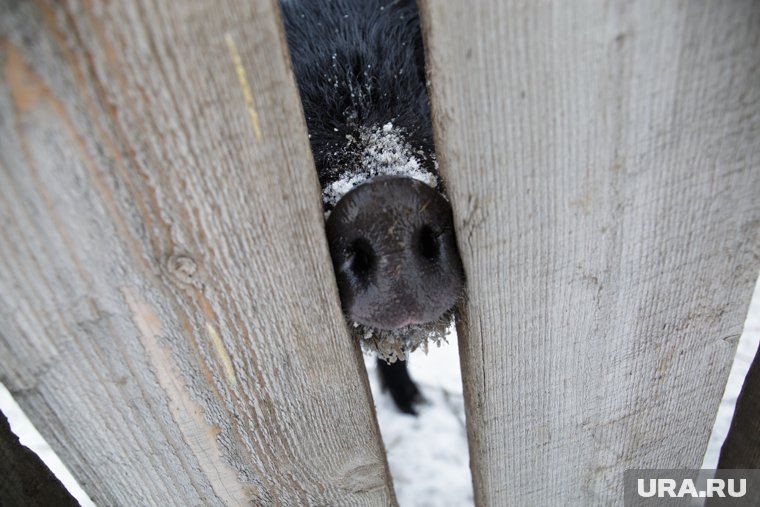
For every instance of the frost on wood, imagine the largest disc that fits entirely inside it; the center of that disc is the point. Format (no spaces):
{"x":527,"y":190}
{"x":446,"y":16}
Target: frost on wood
{"x":383,"y":151}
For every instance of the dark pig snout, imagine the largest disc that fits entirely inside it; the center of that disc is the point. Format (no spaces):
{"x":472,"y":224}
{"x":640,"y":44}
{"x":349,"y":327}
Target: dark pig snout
{"x":394,"y":252}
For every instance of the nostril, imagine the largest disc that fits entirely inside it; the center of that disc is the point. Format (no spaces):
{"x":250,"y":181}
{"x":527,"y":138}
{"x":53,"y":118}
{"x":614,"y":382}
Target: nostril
{"x":394,"y":253}
{"x":362,"y":257}
{"x":428,"y":243}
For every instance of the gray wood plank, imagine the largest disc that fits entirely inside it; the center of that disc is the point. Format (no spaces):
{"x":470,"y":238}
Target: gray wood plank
{"x":603,"y":162}
{"x":168,"y":313}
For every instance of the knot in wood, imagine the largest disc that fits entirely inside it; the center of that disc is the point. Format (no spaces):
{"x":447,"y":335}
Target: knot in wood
{"x":183,"y":269}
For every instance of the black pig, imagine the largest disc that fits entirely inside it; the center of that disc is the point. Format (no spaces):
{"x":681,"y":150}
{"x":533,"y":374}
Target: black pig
{"x":359,"y":65}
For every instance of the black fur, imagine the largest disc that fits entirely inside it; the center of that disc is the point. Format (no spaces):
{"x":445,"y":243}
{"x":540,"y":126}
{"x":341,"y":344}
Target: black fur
{"x":395,"y":378}
{"x":360,"y":64}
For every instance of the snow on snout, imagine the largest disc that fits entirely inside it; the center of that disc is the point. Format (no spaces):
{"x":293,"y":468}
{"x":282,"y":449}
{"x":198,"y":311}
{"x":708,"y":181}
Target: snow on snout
{"x":383,"y":152}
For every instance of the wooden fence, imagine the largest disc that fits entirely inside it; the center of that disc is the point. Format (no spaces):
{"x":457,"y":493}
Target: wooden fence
{"x":168,"y":313}
{"x":603,"y":162}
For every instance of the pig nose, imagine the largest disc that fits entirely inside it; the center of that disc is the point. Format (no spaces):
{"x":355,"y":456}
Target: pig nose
{"x":394,"y":253}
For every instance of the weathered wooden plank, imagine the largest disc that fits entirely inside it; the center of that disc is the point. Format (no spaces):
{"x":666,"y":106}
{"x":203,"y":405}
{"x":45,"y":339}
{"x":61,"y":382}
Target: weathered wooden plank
{"x":26,"y":479}
{"x":604,"y":167}
{"x":168,"y":313}
{"x":741,"y":448}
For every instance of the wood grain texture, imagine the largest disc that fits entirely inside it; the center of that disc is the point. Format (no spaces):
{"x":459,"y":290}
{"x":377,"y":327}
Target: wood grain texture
{"x":26,"y":479}
{"x":741,"y":448}
{"x":168,"y":313}
{"x":603,"y":162}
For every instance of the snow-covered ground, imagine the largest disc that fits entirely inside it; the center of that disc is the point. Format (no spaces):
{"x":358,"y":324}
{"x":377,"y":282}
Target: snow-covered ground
{"x":428,"y":454}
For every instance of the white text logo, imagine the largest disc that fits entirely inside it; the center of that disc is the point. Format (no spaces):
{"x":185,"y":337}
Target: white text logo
{"x":661,"y":488}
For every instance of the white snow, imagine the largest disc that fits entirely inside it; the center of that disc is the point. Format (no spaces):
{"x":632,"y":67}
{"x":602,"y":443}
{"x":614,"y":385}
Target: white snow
{"x":395,"y":344}
{"x":383,"y":152}
{"x":428,"y":454}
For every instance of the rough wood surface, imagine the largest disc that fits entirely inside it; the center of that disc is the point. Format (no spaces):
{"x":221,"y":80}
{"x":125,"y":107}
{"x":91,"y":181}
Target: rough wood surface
{"x":742,"y":446}
{"x":168,"y":314}
{"x":603,"y":162}
{"x":26,"y":479}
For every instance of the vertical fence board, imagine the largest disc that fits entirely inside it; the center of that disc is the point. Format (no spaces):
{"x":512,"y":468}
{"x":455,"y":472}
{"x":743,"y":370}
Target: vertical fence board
{"x":168,"y":313}
{"x":603,"y":161}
